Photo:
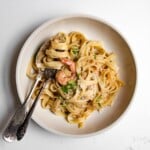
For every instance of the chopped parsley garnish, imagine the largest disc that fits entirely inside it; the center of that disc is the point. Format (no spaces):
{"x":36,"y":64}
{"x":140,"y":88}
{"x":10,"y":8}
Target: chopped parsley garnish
{"x":75,"y":51}
{"x":71,"y":85}
{"x":95,"y":56}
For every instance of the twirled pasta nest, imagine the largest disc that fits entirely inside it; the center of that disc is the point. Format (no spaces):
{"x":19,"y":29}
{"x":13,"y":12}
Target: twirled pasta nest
{"x":86,"y":80}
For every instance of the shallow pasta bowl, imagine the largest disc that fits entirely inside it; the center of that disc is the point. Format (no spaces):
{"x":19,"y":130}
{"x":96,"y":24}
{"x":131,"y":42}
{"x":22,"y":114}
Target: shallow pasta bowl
{"x":94,"y":29}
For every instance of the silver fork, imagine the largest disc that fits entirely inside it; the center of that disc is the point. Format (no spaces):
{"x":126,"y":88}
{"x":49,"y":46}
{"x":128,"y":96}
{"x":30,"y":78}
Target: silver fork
{"x":19,"y":122}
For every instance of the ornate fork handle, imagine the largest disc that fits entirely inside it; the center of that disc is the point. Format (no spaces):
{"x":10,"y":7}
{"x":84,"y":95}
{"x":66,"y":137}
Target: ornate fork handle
{"x":15,"y":126}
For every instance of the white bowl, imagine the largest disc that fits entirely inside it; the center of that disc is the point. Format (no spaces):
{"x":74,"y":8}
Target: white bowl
{"x":95,"y":29}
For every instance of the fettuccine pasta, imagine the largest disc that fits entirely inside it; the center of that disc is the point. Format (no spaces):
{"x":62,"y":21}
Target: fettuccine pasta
{"x":86,"y":79}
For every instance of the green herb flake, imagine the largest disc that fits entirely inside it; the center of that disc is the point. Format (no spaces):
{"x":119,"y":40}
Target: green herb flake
{"x":78,"y":75}
{"x":75,"y":50}
{"x":64,"y":104}
{"x":99,"y":105}
{"x":62,"y":39}
{"x":64,"y":89}
{"x":59,"y":97}
{"x":98,"y":98}
{"x":70,"y":86}
{"x":72,"y":83}
{"x":95,"y":56}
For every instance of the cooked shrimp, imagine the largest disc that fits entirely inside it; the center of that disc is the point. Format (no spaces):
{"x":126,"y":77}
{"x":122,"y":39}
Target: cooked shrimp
{"x":70,"y":63}
{"x":61,"y":76}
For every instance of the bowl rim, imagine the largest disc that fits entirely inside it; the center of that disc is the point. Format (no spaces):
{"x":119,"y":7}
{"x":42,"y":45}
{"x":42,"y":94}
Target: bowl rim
{"x":98,"y":19}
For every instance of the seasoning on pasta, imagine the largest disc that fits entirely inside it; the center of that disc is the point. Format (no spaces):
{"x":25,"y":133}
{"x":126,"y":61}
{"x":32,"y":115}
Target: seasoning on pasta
{"x":86,"y":78}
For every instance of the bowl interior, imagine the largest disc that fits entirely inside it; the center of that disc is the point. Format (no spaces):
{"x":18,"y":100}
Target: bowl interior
{"x":94,"y":30}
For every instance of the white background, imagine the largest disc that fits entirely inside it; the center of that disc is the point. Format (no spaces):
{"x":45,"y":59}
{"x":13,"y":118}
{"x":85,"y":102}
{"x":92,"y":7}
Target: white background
{"x":19,"y":18}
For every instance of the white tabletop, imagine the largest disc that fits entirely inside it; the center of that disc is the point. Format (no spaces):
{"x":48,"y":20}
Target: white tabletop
{"x":131,"y":17}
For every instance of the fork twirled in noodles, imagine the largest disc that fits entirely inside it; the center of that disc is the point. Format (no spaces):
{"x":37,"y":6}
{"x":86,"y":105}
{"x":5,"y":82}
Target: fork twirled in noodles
{"x":86,"y":78}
